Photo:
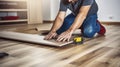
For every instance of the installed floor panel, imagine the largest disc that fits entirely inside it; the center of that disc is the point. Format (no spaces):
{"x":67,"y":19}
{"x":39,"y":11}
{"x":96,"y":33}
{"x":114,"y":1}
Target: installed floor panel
{"x":97,"y":52}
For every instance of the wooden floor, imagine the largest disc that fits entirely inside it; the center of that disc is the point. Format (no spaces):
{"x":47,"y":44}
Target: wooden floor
{"x":98,"y":52}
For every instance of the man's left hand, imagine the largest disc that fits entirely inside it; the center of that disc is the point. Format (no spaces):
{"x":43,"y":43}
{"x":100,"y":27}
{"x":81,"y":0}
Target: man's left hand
{"x":65,"y":36}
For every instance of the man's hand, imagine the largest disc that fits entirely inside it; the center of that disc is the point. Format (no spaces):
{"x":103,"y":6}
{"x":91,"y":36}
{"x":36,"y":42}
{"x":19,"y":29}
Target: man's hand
{"x":50,"y":35}
{"x":65,"y":36}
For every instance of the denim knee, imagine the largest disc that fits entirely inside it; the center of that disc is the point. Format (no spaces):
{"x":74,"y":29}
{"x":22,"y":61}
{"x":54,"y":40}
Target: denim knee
{"x":89,"y":32}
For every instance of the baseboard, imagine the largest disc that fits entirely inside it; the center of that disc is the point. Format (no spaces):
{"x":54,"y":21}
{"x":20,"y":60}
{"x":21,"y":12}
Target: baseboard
{"x":103,"y":22}
{"x":47,"y":21}
{"x":111,"y":23}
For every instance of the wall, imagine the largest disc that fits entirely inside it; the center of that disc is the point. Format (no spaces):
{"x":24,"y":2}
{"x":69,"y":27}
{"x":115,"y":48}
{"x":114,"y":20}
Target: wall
{"x":46,"y":5}
{"x":54,"y":8}
{"x":50,"y":9}
{"x":108,"y":10}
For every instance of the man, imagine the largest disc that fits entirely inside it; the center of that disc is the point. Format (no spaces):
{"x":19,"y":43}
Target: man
{"x":83,"y":16}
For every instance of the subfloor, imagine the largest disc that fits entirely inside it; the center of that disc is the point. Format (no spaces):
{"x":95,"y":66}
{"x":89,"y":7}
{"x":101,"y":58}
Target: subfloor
{"x":103,"y":51}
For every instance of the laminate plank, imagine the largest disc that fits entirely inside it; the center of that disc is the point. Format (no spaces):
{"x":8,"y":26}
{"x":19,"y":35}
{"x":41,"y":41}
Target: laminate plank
{"x":31,"y":38}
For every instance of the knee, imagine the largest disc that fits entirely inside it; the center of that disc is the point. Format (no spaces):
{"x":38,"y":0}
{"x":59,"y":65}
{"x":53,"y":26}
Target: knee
{"x":89,"y":33}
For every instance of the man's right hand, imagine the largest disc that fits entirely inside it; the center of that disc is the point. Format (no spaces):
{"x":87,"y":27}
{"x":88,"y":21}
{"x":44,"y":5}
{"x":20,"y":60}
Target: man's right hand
{"x":50,"y":35}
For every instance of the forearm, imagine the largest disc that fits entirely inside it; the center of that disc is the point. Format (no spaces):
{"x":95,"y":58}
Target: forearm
{"x":77,"y":22}
{"x":80,"y":17}
{"x":58,"y":21}
{"x":57,"y":24}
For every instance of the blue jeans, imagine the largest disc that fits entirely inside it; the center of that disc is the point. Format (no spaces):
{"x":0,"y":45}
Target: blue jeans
{"x":89,"y":26}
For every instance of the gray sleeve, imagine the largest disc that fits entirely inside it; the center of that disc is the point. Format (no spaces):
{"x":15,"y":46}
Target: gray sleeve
{"x":63,"y":7}
{"x":87,"y":2}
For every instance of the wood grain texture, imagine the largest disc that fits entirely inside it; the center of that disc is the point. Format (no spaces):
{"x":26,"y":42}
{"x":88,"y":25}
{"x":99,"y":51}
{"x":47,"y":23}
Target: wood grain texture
{"x":101,"y":51}
{"x":32,"y":38}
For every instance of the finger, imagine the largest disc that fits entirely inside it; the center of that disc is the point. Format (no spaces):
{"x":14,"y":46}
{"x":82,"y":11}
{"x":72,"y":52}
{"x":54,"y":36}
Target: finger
{"x":50,"y":37}
{"x":54,"y":35}
{"x":46,"y":37}
{"x":69,"y":38}
{"x":62,"y":36}
{"x":64,"y":39}
{"x":60,"y":39}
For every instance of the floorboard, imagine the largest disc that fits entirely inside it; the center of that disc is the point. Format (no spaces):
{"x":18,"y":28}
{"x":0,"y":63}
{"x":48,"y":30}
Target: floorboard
{"x":103,"y":51}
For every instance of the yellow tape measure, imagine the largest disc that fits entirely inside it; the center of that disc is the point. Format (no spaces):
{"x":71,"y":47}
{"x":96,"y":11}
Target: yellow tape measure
{"x":78,"y":40}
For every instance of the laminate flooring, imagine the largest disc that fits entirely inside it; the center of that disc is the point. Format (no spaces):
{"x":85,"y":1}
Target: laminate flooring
{"x":101,"y":51}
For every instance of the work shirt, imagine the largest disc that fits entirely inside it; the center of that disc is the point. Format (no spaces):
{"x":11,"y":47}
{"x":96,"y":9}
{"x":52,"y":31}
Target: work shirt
{"x":75,"y":7}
